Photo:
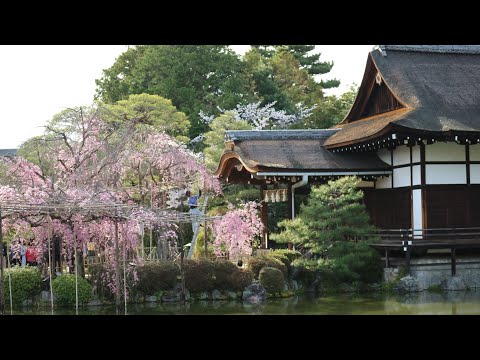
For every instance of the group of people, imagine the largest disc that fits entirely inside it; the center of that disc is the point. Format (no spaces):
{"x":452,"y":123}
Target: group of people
{"x":22,"y":253}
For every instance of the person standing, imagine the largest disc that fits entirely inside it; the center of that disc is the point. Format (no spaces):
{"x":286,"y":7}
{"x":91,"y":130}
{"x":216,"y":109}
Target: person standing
{"x":31,"y":255}
{"x":23,"y":253}
{"x":192,"y":203}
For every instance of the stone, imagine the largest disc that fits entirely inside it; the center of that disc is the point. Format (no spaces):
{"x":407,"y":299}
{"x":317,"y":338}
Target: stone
{"x":254,"y":293}
{"x":45,"y":296}
{"x":170,"y":296}
{"x":294,"y":285}
{"x":217,"y":295}
{"x":453,"y":283}
{"x":408,"y":284}
{"x":178,"y":289}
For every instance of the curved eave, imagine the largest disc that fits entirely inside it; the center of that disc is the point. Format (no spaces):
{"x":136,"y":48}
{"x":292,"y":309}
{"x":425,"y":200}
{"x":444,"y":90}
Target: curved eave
{"x":332,"y":143}
{"x":226,"y":158}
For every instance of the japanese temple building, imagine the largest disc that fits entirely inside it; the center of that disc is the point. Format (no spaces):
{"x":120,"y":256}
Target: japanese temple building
{"x":412,"y":135}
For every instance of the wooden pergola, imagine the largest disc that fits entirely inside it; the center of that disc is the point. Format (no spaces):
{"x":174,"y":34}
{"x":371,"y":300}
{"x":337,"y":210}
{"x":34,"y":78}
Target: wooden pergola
{"x":117,"y":212}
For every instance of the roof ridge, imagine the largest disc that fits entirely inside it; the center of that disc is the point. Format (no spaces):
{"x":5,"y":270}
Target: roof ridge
{"x":239,"y":135}
{"x":445,"y":49}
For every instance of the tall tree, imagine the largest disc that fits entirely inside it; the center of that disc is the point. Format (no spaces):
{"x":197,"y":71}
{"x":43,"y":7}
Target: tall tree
{"x":155,"y":110}
{"x":334,"y":225}
{"x":194,"y":77}
{"x":214,"y":139}
{"x":308,"y":60}
{"x":331,"y":112}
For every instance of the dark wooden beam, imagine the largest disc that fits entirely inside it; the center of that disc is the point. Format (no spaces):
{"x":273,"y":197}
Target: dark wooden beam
{"x":263,"y":216}
{"x":467,"y":161}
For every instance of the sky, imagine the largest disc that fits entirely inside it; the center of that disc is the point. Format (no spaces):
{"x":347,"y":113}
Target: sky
{"x":38,"y":81}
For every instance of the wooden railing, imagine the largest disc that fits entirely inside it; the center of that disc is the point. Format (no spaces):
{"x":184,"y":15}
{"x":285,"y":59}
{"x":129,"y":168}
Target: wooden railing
{"x":407,"y":240}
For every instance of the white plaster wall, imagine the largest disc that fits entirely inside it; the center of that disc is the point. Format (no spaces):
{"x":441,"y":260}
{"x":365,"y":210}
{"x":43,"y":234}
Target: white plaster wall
{"x":475,"y":152}
{"x":384,"y":183}
{"x":417,"y":211}
{"x":474,"y":174}
{"x":384,"y":155}
{"x":401,"y":155}
{"x":416,"y":154}
{"x":445,"y":174}
{"x":365,"y":184}
{"x":401,"y":176}
{"x":417,"y":179}
{"x":441,"y":151}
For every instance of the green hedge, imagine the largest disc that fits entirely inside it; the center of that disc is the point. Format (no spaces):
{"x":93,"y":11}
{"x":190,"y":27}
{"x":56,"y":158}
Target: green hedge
{"x":64,"y":290}
{"x":272,"y":279}
{"x":26,"y":283}
{"x":285,"y":256}
{"x":155,"y":276}
{"x":207,"y":275}
{"x":199,"y":275}
{"x":256,"y":264}
{"x":241,"y":279}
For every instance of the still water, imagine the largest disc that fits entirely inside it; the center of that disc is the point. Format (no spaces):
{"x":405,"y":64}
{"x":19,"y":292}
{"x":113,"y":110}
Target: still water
{"x":424,"y":303}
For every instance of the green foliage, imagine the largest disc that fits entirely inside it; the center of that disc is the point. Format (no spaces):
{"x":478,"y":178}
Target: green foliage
{"x":354,"y":261}
{"x":285,"y":256}
{"x":291,"y":255}
{"x":194,"y":77}
{"x":241,"y":279}
{"x":214,"y":139}
{"x":332,"y":110}
{"x":272,"y":279}
{"x":257,"y":263}
{"x":64,"y":290}
{"x":334,"y":226}
{"x":156,"y":275}
{"x":276,"y":213}
{"x":152,"y":110}
{"x":224,"y":272}
{"x":335,"y":212}
{"x":309,"y":62}
{"x":199,"y":275}
{"x":26,"y":282}
{"x":207,"y":275}
{"x":435,"y":288}
{"x":306,"y":270}
{"x":34,"y":150}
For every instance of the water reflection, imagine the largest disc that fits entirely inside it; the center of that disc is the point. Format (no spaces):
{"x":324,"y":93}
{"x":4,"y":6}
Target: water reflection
{"x":425,"y":303}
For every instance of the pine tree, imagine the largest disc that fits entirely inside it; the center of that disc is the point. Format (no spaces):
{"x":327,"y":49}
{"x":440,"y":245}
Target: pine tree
{"x":335,"y":227}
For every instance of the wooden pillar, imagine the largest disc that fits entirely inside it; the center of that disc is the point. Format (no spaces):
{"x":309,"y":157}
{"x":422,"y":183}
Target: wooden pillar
{"x":423,"y":183}
{"x":264,"y":217}
{"x":117,"y":266}
{"x":289,"y":209}
{"x":289,"y":199}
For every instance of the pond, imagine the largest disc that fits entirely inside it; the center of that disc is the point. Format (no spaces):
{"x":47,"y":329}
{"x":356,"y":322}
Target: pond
{"x":424,"y":303}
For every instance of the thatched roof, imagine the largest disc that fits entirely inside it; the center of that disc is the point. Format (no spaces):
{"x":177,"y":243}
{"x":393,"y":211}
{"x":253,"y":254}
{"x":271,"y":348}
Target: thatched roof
{"x":436,"y":89}
{"x":291,"y":150}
